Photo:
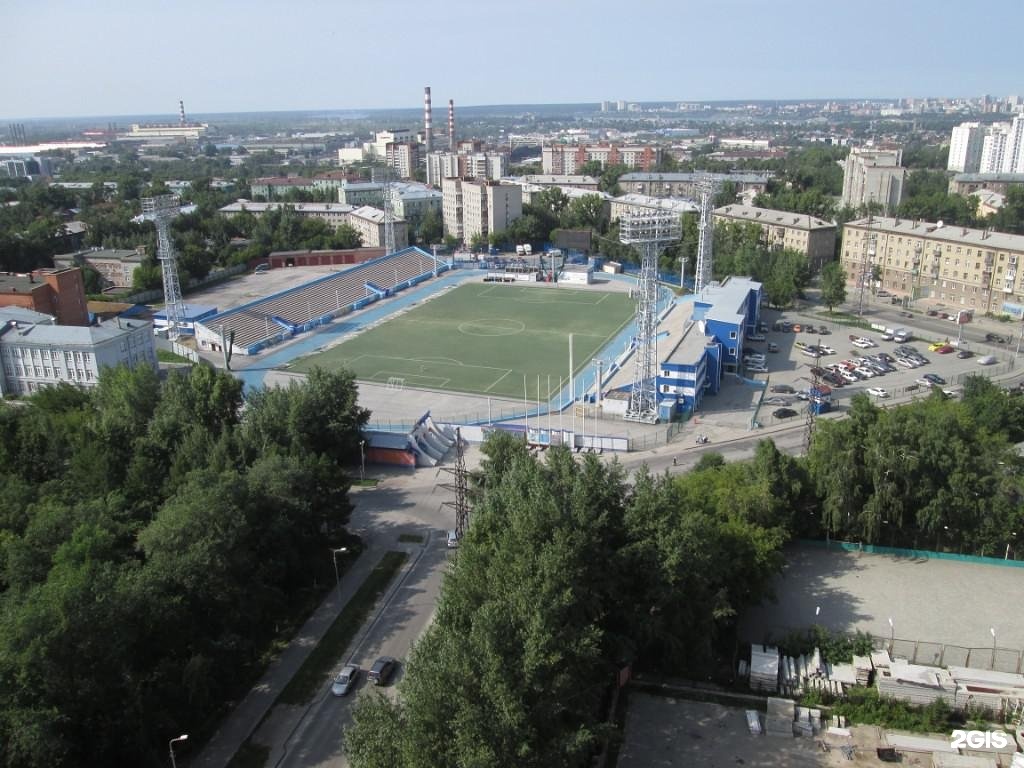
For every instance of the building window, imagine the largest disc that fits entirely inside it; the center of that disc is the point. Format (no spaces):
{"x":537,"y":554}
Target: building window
{"x":732,"y":334}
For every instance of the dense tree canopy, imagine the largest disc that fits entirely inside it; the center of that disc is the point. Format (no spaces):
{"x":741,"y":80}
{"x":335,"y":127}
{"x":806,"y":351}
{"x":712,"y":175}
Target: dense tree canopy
{"x":151,"y":539}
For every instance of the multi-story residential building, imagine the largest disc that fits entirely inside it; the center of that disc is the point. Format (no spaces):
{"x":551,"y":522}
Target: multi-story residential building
{"x":412,"y":201}
{"x":58,"y":292}
{"x":993,"y":148}
{"x":466,"y":165}
{"x":404,"y":157}
{"x":588,"y":183}
{"x":273,"y":187}
{"x":873,"y":175}
{"x":969,"y":268}
{"x":474,"y":208}
{"x":967,"y":183}
{"x":568,"y":158}
{"x":965,"y":144}
{"x":362,"y":219}
{"x":116,"y":266}
{"x":36,"y":353}
{"x":811,"y":236}
{"x":360,"y":193}
{"x":688,"y":184}
{"x":442,"y":165}
{"x":1013,"y":160}
{"x":624,"y":205}
{"x":369,"y":223}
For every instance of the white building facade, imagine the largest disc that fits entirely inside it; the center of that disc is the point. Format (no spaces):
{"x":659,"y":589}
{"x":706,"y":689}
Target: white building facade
{"x":35,"y":355}
{"x":873,"y":176}
{"x":965,"y":144}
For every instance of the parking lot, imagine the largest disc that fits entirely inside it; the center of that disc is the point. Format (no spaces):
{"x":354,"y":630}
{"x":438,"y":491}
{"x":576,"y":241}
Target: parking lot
{"x":791,"y":366}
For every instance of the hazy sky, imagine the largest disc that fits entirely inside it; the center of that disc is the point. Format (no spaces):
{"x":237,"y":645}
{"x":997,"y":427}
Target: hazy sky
{"x":101,"y":57}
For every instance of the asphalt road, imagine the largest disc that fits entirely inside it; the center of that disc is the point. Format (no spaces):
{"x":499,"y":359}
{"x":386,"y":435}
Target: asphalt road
{"x":402,"y":504}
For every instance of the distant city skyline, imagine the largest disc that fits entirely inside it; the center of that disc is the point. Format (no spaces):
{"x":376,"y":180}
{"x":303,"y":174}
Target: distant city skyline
{"x":64,"y":59}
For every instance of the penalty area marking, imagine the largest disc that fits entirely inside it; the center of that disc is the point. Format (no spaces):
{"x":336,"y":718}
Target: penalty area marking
{"x":492,"y":327}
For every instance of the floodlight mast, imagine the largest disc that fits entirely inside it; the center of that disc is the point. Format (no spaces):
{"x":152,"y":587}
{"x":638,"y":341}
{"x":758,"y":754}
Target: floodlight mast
{"x":650,"y":229}
{"x":161,"y":210}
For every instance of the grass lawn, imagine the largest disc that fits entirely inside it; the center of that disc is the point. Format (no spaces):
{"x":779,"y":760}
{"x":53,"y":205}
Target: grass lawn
{"x":483,"y":338}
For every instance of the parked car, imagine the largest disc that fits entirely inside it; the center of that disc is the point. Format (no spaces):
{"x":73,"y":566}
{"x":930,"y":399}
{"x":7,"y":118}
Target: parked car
{"x":878,"y":392}
{"x":796,"y":327}
{"x":783,"y":413}
{"x":382,"y":670}
{"x":823,"y":331}
{"x":864,"y":372}
{"x":963,"y":354}
{"x":932,"y":313}
{"x":345,"y":680}
{"x":924,"y":382}
{"x":777,"y":401}
{"x":995,"y":338}
{"x":809,"y":329}
{"x":453,"y":539}
{"x":756,"y":337}
{"x":934,"y":378}
{"x":783,"y":389}
{"x":987,"y":360}
{"x":826,"y":349}
{"x":773,"y":347}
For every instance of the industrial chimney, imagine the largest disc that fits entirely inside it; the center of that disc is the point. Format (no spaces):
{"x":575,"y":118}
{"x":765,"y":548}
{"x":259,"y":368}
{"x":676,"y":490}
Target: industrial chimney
{"x":451,"y":125}
{"x":181,"y":112}
{"x":428,"y":132}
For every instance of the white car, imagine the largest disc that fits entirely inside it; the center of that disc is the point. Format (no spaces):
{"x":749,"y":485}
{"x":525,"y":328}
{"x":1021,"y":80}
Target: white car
{"x":862,"y":343}
{"x":826,"y":349}
{"x":925,"y":382}
{"x":864,"y":372}
{"x":878,"y":392}
{"x":756,"y":369}
{"x":850,"y":378}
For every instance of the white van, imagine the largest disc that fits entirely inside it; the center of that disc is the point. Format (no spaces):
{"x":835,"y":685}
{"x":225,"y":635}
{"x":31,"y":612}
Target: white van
{"x":453,"y":540}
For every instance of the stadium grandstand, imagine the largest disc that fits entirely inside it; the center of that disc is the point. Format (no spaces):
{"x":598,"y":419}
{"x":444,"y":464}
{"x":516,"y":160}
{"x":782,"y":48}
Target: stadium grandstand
{"x":276,"y":318}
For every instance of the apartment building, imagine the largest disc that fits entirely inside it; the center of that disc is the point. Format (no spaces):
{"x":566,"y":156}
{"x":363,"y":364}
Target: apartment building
{"x":811,"y":236}
{"x":568,"y":158}
{"x":587,"y":183}
{"x":474,"y":208}
{"x":968,"y":268}
{"x":467,"y":164}
{"x":57,"y":293}
{"x":404,"y":157}
{"x":369,"y":223}
{"x":36,"y":353}
{"x":968,"y":183}
{"x":688,"y":184}
{"x":873,"y":175}
{"x":364,"y":219}
{"x":116,"y":266}
{"x":965,"y":145}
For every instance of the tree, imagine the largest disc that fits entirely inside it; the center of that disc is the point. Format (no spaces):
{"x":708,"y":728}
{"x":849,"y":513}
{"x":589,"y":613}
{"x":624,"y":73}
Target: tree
{"x":833,"y":284}
{"x":430,"y":229}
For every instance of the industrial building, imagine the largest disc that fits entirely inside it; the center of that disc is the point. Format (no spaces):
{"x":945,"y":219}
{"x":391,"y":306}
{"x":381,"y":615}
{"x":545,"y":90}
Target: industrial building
{"x":811,"y":236}
{"x":37,"y":354}
{"x":873,"y":176}
{"x":967,"y":268}
{"x":116,"y":266}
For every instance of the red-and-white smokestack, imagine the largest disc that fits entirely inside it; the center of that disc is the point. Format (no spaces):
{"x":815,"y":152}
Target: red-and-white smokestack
{"x":428,"y":132}
{"x":451,"y":125}
{"x":181,"y":112}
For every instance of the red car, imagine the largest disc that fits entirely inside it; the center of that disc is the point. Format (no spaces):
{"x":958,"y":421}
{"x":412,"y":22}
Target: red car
{"x":944,"y":350}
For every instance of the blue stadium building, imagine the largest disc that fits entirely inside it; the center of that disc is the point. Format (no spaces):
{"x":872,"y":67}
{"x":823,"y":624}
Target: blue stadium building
{"x":711,"y":343}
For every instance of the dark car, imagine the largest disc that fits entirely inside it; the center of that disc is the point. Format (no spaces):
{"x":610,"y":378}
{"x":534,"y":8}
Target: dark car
{"x":382,"y":670}
{"x":995,"y":338}
{"x":809,"y":329}
{"x":783,"y":413}
{"x":932,"y":313}
{"x":783,"y":389}
{"x":832,"y":379}
{"x":823,"y":331}
{"x":963,"y":354}
{"x":934,"y":378}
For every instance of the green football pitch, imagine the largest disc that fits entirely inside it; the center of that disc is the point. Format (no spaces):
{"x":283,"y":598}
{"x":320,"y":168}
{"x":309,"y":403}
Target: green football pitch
{"x":484,"y":338}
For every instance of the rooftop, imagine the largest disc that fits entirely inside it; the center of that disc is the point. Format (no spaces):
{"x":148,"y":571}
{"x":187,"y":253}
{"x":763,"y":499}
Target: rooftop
{"x":72,"y":335}
{"x":117,"y":254}
{"x":674,"y":204}
{"x":1010,"y":178}
{"x":23,"y":315}
{"x":559,"y":179}
{"x":946,"y":233}
{"x":769,"y":216}
{"x":247,"y":205}
{"x":747,"y":178}
{"x":13,"y":283}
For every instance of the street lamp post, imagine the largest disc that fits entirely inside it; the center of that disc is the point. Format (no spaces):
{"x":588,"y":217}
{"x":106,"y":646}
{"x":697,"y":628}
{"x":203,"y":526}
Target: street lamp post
{"x":362,"y":460}
{"x":992,"y":630}
{"x":170,"y":746}
{"x":334,"y":559}
{"x":892,"y":634}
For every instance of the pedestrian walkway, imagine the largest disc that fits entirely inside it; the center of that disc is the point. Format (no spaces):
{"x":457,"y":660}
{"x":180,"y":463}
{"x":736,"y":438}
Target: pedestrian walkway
{"x":243,"y":720}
